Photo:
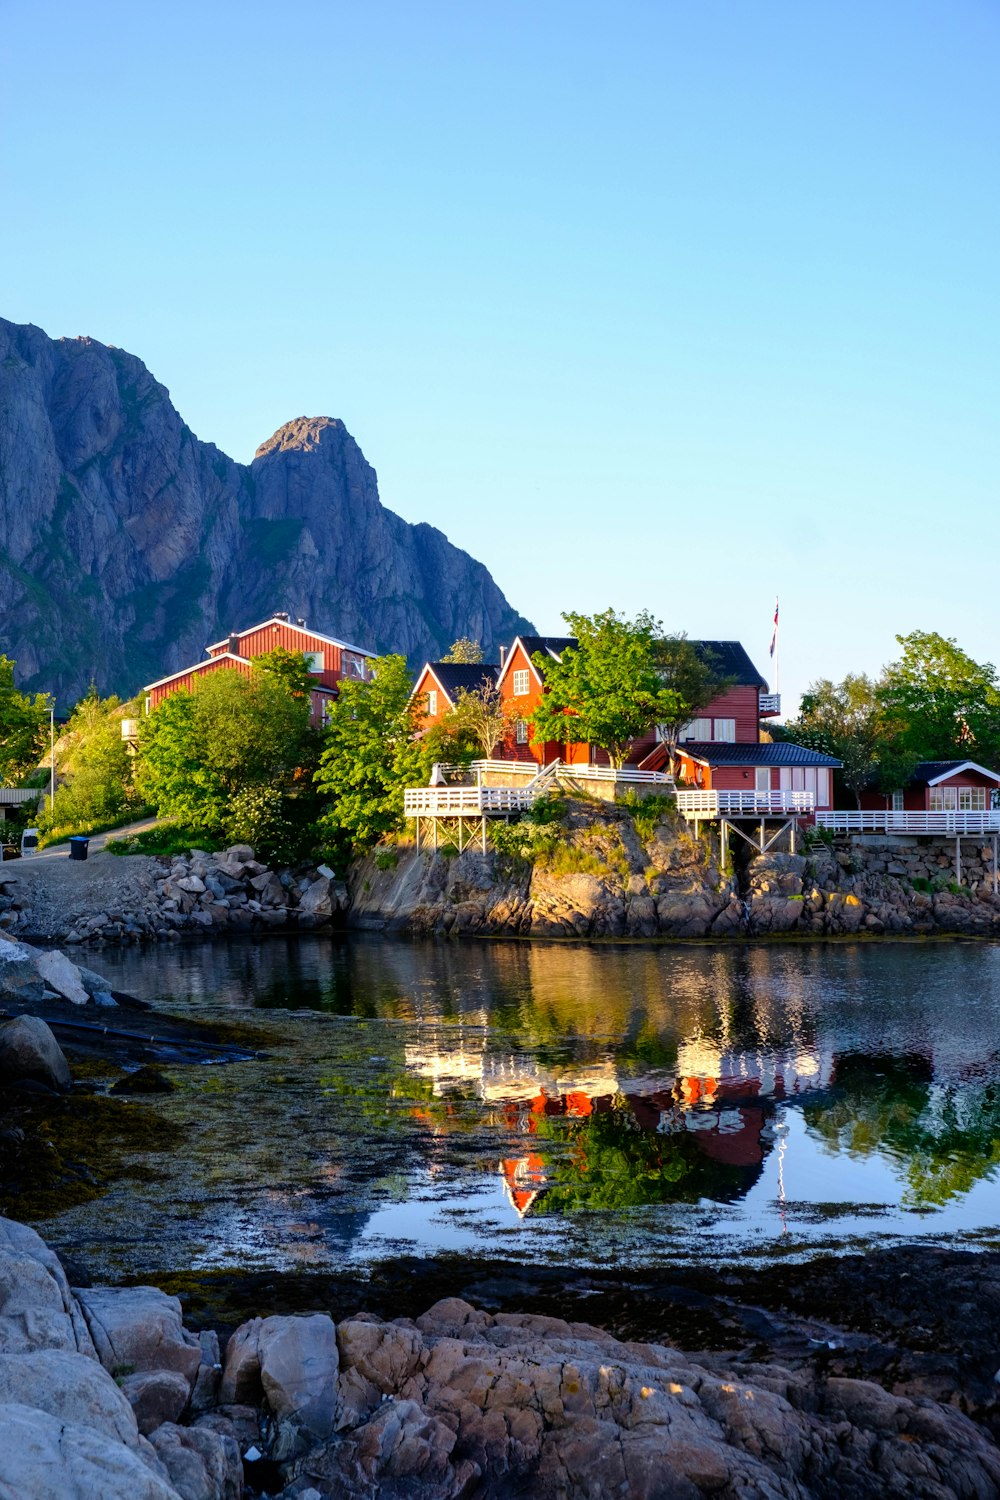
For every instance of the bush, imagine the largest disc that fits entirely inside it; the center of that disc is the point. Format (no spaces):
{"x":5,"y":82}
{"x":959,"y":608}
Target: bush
{"x":166,"y":839}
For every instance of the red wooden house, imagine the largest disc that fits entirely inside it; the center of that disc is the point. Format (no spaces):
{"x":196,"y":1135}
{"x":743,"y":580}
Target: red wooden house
{"x":440,"y":683}
{"x":939,"y":786}
{"x":330,"y":660}
{"x":721,"y":749}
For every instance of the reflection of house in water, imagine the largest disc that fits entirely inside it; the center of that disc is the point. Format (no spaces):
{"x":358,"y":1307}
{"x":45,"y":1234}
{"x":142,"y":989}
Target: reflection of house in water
{"x":720,"y":1098}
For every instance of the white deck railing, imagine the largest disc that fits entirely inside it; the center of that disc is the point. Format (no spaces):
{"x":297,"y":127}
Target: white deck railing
{"x":626,"y":776}
{"x":713,"y":804}
{"x":884,"y":821}
{"x":467,"y":801}
{"x":770,"y":703}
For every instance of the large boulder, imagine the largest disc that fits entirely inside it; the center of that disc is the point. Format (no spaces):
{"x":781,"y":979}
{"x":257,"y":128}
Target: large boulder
{"x":138,"y":1328}
{"x":43,"y":1457}
{"x":19,"y":976}
{"x":62,"y":975}
{"x":70,"y":1386}
{"x":37,"y":1308}
{"x":293,"y":1362}
{"x":202,"y":1464}
{"x":28,"y":1050}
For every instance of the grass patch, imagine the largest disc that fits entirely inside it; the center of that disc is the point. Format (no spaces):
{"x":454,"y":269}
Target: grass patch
{"x":166,"y":838}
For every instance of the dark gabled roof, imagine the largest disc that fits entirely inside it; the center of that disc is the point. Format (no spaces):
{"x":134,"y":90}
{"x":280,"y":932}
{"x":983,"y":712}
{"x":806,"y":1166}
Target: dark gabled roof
{"x":927,"y":771}
{"x":463,"y":676}
{"x":554,"y":645}
{"x":730,"y":660}
{"x":778,"y":754}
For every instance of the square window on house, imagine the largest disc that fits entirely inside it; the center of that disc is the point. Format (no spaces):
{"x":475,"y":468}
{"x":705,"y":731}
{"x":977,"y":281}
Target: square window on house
{"x":521,"y":731}
{"x":314,"y":661}
{"x":698,"y":729}
{"x":521,"y":685}
{"x":944,"y":799}
{"x":972,"y":799}
{"x":432,"y":703}
{"x":725,"y":731}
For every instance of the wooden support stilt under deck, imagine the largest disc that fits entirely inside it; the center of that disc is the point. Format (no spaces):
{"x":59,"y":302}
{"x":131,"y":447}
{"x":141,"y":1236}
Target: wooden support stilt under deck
{"x":958,"y":859}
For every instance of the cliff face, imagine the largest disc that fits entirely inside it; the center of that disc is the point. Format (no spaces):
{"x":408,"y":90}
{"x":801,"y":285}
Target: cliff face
{"x":126,"y":544}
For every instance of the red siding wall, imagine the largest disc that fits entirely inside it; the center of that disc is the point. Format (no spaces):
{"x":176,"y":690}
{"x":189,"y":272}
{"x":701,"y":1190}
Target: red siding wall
{"x":277,"y":634}
{"x":187,"y":682}
{"x":427,"y":683}
{"x":918,"y":798}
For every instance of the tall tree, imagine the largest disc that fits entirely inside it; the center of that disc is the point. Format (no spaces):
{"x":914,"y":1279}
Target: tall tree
{"x":370,"y":757}
{"x":24,"y":723}
{"x":484,"y":714}
{"x":465,"y":650}
{"x":95,"y":767}
{"x":847,"y":720}
{"x":609,"y":689}
{"x":945,"y":703}
{"x":692,"y":674}
{"x":232,"y":733}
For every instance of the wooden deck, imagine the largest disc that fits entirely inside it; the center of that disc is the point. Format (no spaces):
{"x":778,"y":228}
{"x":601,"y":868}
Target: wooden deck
{"x":748,"y":804}
{"x":887,"y":821}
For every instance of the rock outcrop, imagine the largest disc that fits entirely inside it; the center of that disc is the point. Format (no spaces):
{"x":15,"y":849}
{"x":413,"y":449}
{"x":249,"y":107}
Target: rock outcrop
{"x":127,"y":543}
{"x":458,"y":1403}
{"x":598,"y":876}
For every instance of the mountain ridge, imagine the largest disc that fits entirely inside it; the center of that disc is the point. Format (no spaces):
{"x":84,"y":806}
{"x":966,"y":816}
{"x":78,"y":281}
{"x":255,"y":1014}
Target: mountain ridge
{"x":127,"y":543}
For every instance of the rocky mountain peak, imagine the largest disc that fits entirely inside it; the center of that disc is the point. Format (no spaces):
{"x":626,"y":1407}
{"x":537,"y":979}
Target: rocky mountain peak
{"x":126,"y":543}
{"x":301,"y":434}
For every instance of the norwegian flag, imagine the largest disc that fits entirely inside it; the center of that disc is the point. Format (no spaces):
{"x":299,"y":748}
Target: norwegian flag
{"x":774,"y":636}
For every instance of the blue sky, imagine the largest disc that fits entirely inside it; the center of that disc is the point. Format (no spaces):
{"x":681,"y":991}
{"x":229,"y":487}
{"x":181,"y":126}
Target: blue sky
{"x":661,"y":305}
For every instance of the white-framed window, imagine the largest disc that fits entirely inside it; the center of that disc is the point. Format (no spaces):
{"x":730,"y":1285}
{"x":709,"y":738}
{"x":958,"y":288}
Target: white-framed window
{"x":725,"y":731}
{"x":521,"y":682}
{"x":972,"y":799}
{"x":762,"y":778}
{"x":520,"y":731}
{"x":353,"y":666}
{"x":432,"y":703}
{"x":944,"y":798}
{"x":698,"y":729}
{"x":897,"y":802}
{"x":822,"y":787}
{"x":315,"y":661}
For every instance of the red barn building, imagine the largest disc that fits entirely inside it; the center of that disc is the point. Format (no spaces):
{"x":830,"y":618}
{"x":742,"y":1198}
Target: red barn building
{"x":330,"y":660}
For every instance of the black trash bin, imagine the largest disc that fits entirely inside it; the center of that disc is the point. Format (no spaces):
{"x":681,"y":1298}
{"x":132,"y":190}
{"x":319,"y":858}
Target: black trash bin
{"x":78,"y":846}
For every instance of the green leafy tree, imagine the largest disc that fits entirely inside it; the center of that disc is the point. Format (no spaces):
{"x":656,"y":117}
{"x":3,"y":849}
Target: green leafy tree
{"x":611,"y":684}
{"x":201,"y":750}
{"x":692,"y":674}
{"x":97,"y":786}
{"x":943,"y":703}
{"x":371,"y":756}
{"x":847,"y":720}
{"x":24,"y":727}
{"x":465,"y":650}
{"x":484,"y":716}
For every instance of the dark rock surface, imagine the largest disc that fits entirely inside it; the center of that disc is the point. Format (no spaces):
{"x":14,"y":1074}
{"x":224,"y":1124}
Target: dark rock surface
{"x":127,"y":543}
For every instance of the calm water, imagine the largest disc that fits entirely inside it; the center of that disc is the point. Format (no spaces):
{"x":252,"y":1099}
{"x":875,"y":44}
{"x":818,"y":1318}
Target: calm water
{"x":600,"y":1105}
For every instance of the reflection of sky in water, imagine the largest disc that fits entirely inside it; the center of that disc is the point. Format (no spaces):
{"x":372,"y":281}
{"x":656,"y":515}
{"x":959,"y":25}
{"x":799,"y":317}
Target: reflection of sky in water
{"x":607,"y":1105}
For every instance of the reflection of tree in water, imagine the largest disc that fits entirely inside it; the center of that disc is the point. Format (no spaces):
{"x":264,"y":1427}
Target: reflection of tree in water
{"x":946,"y":1137}
{"x":609,"y":1159}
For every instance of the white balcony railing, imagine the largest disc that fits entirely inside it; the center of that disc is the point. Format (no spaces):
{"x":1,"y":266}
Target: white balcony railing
{"x":714,"y":804}
{"x":883,"y":821}
{"x":770,"y":703}
{"x":442,"y":801}
{"x":626,"y":776}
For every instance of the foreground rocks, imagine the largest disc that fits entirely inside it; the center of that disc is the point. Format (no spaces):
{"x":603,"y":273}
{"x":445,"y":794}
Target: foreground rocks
{"x":105,"y":1392}
{"x":133,"y":898}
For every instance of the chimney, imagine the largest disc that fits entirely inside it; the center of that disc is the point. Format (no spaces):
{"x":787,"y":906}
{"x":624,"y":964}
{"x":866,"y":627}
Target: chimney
{"x":234,"y":643}
{"x":280,"y":614}
{"x":503,"y":654}
{"x":301,"y":621}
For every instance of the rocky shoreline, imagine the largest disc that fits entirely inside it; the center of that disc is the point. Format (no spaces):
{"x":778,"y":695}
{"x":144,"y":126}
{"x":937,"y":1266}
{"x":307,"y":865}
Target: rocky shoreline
{"x":608,"y":877}
{"x":611,"y":877}
{"x":104,"y":1390}
{"x":143,"y":898}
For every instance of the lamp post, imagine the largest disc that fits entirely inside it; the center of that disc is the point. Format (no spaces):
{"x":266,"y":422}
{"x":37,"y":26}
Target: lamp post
{"x":52,"y":754}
